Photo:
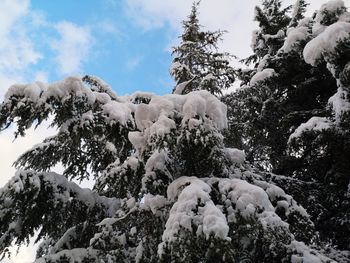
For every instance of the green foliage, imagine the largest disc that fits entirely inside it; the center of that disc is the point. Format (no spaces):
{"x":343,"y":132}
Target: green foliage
{"x":50,"y":204}
{"x":197,"y":63}
{"x":167,"y":189}
{"x":264,"y":115}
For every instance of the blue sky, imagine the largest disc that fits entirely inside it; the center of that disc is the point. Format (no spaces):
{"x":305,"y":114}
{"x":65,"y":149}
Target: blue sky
{"x":112,"y":45}
{"x":125,"y":42}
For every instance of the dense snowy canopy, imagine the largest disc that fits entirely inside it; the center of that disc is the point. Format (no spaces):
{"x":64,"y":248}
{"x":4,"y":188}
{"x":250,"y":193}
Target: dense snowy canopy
{"x":171,"y":184}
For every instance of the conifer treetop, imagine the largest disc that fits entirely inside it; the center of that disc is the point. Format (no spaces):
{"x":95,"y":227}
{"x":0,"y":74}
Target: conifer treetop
{"x":197,"y":63}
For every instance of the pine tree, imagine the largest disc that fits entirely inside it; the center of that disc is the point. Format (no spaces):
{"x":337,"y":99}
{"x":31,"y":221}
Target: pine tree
{"x":287,"y":90}
{"x":323,"y":140}
{"x":197,"y":64}
{"x":273,"y":20}
{"x":166,"y":190}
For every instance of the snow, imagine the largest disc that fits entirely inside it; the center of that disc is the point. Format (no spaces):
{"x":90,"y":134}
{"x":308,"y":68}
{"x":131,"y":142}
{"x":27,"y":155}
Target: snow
{"x":140,"y":95}
{"x":306,"y":255}
{"x":339,"y":103}
{"x":64,"y":240}
{"x":138,"y":140}
{"x":157,"y":161}
{"x":76,"y":255}
{"x":190,"y":196}
{"x":68,"y":87}
{"x":209,"y":77}
{"x":62,"y":189}
{"x":313,"y":124}
{"x":333,"y":7}
{"x":263,"y":62}
{"x":262,"y":76}
{"x":63,"y":90}
{"x":286,"y":201}
{"x":280,"y":34}
{"x":190,"y":193}
{"x":133,"y":230}
{"x":153,"y":203}
{"x":87,"y":116}
{"x":246,"y":196}
{"x":273,"y":191}
{"x":145,"y":115}
{"x":117,"y":111}
{"x":213,"y":108}
{"x":155,"y":120}
{"x":175,"y":188}
{"x":132,"y":162}
{"x":110,"y":147}
{"x":214,"y":221}
{"x":107,"y":221}
{"x":139,"y":253}
{"x":102,"y":98}
{"x":305,"y":22}
{"x":234,"y":155}
{"x":294,"y":36}
{"x":194,"y":105}
{"x":31,"y":91}
{"x":103,"y":86}
{"x":270,"y":220}
{"x":180,"y":87}
{"x":325,"y":43}
{"x":177,"y":67}
{"x":162,"y":126}
{"x":255,"y":39}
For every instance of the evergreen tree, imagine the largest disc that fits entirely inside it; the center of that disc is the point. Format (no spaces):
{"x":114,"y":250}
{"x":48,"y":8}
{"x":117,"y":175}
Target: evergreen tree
{"x":167,"y":190}
{"x":285,"y":91}
{"x":166,"y":187}
{"x":197,"y":64}
{"x":273,"y":20}
{"x":323,"y":141}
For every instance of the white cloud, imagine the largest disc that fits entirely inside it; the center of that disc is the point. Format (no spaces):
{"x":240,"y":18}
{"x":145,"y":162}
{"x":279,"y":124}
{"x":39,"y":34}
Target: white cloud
{"x":5,"y":82}
{"x":41,"y":76}
{"x":16,"y":48}
{"x":109,"y":27}
{"x":17,"y":51}
{"x":234,"y":16}
{"x":11,"y":149}
{"x":132,"y":63}
{"x":10,"y":11}
{"x":72,"y":48}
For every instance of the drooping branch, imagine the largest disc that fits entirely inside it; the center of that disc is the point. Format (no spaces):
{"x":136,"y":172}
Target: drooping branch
{"x":91,"y":122}
{"x":47,"y":201}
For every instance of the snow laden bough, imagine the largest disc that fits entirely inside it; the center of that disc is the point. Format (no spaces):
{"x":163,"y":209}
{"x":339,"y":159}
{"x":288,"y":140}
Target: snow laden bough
{"x":167,"y":190}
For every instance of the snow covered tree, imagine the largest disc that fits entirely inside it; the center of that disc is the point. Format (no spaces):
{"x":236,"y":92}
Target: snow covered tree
{"x":282,"y":112}
{"x":324,"y":140}
{"x":166,"y":190}
{"x":272,"y":90}
{"x":273,"y":20}
{"x":197,"y":64}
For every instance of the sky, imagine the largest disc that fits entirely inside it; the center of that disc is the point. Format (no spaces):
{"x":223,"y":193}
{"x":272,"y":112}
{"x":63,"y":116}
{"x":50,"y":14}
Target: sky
{"x":127,"y":43}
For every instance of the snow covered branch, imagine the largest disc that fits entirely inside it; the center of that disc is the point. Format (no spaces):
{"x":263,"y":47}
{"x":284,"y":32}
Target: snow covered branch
{"x":47,"y":202}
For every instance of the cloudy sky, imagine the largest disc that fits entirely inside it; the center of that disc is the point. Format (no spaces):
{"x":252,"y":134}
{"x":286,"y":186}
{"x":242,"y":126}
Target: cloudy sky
{"x":125,"y":42}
